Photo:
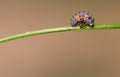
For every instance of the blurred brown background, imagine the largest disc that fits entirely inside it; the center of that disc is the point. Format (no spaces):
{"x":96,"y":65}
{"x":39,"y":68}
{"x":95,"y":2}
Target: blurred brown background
{"x":68,"y":54}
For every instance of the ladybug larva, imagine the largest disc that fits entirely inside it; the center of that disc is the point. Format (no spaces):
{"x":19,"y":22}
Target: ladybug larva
{"x":82,"y":19}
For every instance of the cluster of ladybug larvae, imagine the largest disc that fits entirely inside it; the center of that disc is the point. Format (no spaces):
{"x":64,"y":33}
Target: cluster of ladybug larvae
{"x":82,"y":19}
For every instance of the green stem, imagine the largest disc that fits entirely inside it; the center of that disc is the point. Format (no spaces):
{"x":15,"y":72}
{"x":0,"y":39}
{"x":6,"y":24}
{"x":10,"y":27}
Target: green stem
{"x":53,"y":30}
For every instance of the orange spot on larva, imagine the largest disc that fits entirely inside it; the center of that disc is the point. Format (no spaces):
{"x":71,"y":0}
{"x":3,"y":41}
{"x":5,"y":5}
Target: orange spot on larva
{"x":85,"y":17}
{"x":77,"y":18}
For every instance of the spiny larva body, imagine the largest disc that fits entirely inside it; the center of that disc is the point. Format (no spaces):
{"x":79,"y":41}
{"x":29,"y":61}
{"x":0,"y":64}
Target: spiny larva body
{"x":82,"y":19}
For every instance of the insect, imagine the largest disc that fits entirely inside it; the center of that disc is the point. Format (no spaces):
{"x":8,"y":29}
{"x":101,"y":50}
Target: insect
{"x":82,"y":19}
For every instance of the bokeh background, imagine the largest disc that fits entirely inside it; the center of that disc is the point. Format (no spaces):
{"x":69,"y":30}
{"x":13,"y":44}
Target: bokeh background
{"x":67,"y":54}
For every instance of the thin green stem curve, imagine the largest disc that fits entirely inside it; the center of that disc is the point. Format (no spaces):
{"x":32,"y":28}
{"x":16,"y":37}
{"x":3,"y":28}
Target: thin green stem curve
{"x":53,"y":30}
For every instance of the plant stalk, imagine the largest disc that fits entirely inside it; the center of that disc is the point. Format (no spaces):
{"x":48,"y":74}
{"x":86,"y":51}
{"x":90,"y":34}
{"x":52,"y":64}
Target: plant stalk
{"x":54,"y":30}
